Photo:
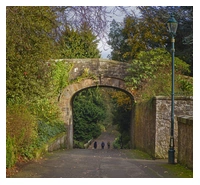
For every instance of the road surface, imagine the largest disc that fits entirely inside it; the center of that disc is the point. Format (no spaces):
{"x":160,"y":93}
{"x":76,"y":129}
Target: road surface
{"x":93,"y":163}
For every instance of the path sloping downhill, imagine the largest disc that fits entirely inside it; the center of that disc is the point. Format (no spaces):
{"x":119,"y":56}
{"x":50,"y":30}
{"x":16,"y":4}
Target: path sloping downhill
{"x":93,"y":163}
{"x":109,"y":135}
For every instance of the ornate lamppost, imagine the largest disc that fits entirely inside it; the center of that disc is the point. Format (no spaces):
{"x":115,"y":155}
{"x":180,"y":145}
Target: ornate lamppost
{"x":172,"y":25}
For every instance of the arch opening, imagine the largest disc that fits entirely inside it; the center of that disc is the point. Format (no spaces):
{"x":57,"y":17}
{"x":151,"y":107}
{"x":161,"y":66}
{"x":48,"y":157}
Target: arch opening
{"x":72,"y":90}
{"x":118,"y":105}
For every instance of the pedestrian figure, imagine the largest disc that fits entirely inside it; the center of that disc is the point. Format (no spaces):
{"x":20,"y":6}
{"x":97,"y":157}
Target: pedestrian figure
{"x":102,"y":145}
{"x":108,"y":144}
{"x":95,"y":145}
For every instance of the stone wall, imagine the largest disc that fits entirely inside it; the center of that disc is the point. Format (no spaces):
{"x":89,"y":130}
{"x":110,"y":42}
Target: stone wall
{"x":185,"y":141}
{"x":182,"y":106}
{"x":57,"y":142}
{"x":97,"y":67}
{"x":152,"y":124}
{"x":144,"y":127}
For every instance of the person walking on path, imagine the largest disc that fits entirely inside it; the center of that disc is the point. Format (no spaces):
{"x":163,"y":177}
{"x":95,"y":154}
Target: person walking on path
{"x":108,"y":144}
{"x":102,"y":145}
{"x":95,"y":145}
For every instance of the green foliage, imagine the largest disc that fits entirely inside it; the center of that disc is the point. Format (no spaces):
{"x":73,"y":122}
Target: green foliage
{"x":184,"y":36}
{"x":148,"y":31}
{"x":89,"y":111}
{"x":78,"y":144}
{"x":117,"y":42}
{"x":45,"y":110}
{"x":150,"y":75}
{"x":133,"y":36}
{"x":30,"y":43}
{"x":122,"y":118}
{"x":122,"y":141}
{"x":34,"y":79}
{"x":185,"y":85}
{"x":10,"y":151}
{"x":79,"y":43}
{"x":117,"y":143}
{"x":48,"y":131}
{"x":60,"y":76}
{"x":25,"y":128}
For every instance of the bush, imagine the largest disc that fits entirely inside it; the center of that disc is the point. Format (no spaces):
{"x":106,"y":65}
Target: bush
{"x":78,"y":144}
{"x":117,"y":143}
{"x":20,"y":127}
{"x":10,"y":152}
{"x":122,"y":141}
{"x":47,"y":131}
{"x":28,"y":127}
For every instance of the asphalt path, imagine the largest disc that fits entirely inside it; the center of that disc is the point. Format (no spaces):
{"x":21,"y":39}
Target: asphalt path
{"x":91,"y":163}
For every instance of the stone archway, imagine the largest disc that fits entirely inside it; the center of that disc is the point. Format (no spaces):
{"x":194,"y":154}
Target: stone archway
{"x":71,"y":90}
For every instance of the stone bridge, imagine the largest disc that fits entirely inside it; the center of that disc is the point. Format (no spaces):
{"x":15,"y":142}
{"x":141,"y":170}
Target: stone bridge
{"x":150,"y":123}
{"x":96,"y":73}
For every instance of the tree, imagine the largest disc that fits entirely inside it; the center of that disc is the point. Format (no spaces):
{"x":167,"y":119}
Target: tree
{"x":122,"y":117}
{"x":30,"y":43}
{"x":148,"y":31}
{"x":97,"y":17}
{"x":138,"y":35}
{"x":31,"y":116}
{"x":153,"y":68}
{"x":184,"y":36}
{"x":117,"y":41}
{"x":80,"y":43}
{"x":88,"y":112}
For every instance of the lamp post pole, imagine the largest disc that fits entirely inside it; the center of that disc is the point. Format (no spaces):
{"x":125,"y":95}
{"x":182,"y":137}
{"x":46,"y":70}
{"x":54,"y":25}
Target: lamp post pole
{"x":171,"y":152}
{"x":172,"y":27}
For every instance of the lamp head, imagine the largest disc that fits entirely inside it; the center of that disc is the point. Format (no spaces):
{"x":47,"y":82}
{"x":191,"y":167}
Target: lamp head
{"x":172,"y":25}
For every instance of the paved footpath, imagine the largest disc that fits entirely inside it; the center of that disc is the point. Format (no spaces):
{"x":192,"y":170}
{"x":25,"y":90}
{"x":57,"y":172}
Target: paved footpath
{"x":91,"y":163}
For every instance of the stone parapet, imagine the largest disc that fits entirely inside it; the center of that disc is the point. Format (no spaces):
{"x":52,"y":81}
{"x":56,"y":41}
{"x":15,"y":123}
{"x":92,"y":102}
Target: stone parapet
{"x":185,"y":140}
{"x":152,"y":124}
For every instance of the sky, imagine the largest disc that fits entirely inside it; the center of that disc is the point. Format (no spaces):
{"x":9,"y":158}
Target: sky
{"x":105,"y":48}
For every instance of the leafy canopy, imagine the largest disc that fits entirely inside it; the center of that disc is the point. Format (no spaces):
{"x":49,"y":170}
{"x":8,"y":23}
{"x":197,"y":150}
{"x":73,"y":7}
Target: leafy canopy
{"x":30,"y":43}
{"x":148,"y":31}
{"x":78,"y":43}
{"x":153,"y":68}
{"x":89,"y":111}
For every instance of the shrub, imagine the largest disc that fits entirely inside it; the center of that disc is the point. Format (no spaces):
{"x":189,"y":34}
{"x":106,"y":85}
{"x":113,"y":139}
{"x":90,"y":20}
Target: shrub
{"x":21,"y":128}
{"x":78,"y":144}
{"x":117,"y":143}
{"x":47,"y":131}
{"x":10,"y":152}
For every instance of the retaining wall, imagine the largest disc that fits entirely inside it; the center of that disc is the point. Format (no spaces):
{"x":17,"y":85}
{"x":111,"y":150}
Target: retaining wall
{"x":152,"y":124}
{"x":185,"y":141}
{"x":58,"y":142}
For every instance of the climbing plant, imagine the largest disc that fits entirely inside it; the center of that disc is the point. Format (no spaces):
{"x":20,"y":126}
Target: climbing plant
{"x":60,"y":76}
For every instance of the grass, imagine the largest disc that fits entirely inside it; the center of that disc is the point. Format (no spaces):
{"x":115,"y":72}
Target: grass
{"x":177,"y":170}
{"x":139,"y":154}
